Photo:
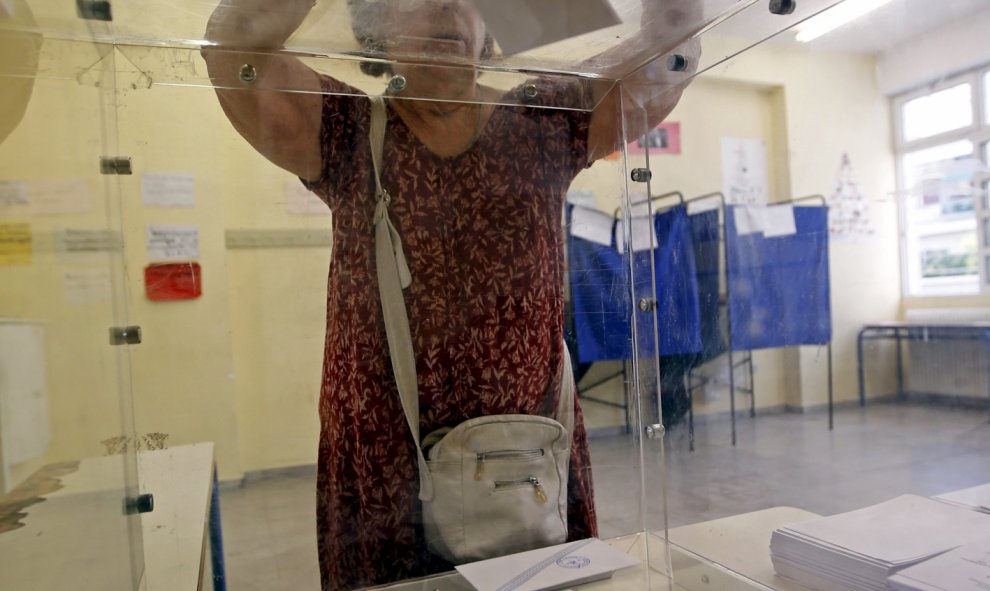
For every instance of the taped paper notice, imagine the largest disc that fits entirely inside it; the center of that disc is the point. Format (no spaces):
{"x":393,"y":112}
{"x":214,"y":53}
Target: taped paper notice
{"x":750,"y":219}
{"x":15,"y":243}
{"x":75,"y":246}
{"x":60,"y":197}
{"x":87,"y":286}
{"x":745,"y":176}
{"x":643,"y":235}
{"x":301,"y":201}
{"x":592,"y":225}
{"x":173,"y":243}
{"x":167,"y":189}
{"x":582,"y":197}
{"x":13,"y":193}
{"x":779,"y":221}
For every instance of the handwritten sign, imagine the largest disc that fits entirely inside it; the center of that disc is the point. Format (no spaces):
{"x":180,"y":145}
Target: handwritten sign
{"x":15,"y":243}
{"x":173,"y":242}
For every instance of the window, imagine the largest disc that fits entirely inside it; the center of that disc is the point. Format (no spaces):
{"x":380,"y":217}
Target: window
{"x":986,"y":100}
{"x":943,"y":149}
{"x":938,"y":112}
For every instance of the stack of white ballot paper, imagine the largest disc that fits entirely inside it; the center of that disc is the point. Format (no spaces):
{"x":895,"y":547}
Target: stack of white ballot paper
{"x":966,"y":568}
{"x":553,"y":567}
{"x":976,"y":498}
{"x":859,"y":550}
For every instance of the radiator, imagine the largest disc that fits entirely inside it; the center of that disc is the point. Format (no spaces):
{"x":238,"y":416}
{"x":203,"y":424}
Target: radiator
{"x":951,"y":368}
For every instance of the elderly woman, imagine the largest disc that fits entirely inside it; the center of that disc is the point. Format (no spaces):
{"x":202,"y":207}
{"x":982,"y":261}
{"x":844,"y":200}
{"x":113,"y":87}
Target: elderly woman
{"x":477,"y":185}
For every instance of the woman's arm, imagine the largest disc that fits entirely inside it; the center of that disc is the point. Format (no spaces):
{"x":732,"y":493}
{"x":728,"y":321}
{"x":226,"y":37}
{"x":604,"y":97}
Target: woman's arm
{"x":652,"y":92}
{"x":283,"y":126}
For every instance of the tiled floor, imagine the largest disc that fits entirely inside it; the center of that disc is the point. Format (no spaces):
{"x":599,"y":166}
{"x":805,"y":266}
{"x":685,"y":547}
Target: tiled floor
{"x":873,"y":454}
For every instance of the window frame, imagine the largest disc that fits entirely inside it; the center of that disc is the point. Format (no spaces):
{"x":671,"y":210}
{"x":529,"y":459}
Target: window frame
{"x":979,"y":134}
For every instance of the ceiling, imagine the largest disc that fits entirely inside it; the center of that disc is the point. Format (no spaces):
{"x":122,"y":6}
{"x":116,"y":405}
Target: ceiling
{"x":876,"y":32}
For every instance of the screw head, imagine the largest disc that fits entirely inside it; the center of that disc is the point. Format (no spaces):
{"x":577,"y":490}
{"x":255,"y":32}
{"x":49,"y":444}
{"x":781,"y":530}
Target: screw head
{"x":529,"y":92}
{"x":677,"y":62}
{"x":782,"y":7}
{"x":397,"y":84}
{"x":641,"y":175}
{"x":248,"y":74}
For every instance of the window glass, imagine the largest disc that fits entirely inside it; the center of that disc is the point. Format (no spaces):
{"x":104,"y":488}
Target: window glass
{"x":938,"y":112}
{"x":985,"y":192}
{"x":943,"y":253}
{"x":931,"y":173}
{"x":986,"y":99}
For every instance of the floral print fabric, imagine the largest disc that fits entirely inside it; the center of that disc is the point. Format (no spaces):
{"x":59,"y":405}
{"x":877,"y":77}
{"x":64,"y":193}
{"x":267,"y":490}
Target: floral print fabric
{"x":482,"y":234}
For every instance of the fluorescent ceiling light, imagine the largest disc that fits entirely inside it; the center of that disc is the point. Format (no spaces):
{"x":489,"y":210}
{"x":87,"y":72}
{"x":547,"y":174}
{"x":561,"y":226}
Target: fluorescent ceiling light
{"x":835,"y":17}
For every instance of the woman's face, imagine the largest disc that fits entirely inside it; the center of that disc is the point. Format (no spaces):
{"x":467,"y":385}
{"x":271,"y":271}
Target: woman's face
{"x":424,"y":34}
{"x":439,"y":30}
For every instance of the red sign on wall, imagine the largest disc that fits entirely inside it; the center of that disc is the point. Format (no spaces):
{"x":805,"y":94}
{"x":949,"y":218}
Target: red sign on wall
{"x":172,"y":281}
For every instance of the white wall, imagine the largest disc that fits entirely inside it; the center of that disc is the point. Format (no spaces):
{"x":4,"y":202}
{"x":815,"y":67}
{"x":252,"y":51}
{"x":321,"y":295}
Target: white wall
{"x":956,"y":47}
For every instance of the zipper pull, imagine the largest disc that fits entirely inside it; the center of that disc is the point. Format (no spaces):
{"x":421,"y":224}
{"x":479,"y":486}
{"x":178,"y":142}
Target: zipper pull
{"x":541,"y":496}
{"x":480,"y":467}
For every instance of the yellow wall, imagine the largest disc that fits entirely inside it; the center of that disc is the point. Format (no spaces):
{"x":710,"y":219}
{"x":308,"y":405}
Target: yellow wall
{"x":241,"y":365}
{"x":832,"y":106}
{"x":59,"y":139}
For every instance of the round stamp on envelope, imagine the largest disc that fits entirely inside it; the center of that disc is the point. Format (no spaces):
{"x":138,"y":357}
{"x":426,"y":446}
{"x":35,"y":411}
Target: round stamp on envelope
{"x":573,"y":561}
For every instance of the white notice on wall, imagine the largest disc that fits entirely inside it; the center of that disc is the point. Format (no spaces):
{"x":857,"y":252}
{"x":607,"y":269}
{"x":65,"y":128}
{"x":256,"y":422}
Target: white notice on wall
{"x":60,"y":196}
{"x":13,"y":193}
{"x":75,"y":246}
{"x":779,"y":221}
{"x":173,"y":243}
{"x":86,"y":286}
{"x":168,"y":189}
{"x":592,"y":225}
{"x":744,"y":171}
{"x":301,"y":201}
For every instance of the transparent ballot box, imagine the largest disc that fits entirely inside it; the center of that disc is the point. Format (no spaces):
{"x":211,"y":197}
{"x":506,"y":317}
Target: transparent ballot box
{"x":348,"y":294}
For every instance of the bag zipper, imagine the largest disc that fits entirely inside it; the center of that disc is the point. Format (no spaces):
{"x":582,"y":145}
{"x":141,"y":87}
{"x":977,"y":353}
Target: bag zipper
{"x":504,"y":454}
{"x":541,"y":496}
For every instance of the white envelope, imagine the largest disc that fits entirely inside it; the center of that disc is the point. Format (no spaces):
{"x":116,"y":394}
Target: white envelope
{"x":553,"y":567}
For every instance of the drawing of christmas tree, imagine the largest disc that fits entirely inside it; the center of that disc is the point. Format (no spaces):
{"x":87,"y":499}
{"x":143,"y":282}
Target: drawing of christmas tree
{"x":849,"y":213}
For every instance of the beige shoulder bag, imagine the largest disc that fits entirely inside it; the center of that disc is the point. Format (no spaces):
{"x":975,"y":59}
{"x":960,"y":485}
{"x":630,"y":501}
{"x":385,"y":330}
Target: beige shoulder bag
{"x":492,"y":485}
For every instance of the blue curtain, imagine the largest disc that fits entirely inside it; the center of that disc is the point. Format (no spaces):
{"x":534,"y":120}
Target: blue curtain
{"x":779,"y":286}
{"x":706,"y":238}
{"x":603,"y":305}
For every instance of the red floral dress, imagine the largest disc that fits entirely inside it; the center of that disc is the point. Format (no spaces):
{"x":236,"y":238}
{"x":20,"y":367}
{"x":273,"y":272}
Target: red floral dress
{"x":482,"y":235}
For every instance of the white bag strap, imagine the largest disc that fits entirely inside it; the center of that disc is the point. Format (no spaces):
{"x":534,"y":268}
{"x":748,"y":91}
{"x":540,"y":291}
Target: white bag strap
{"x":393,"y":277}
